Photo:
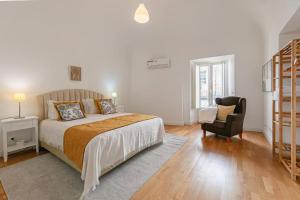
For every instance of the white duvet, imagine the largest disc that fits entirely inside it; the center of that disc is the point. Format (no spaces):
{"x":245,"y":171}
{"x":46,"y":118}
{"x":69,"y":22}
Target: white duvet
{"x":105,"y":149}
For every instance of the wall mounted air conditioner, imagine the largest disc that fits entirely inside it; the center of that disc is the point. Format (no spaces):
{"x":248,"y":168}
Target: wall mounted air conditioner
{"x":158,"y":63}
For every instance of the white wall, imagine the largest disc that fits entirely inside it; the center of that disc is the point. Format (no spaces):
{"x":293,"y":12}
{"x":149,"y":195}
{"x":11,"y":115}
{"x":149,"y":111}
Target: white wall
{"x":187,"y":31}
{"x":39,"y":39}
{"x":284,"y":38}
{"x":279,"y":12}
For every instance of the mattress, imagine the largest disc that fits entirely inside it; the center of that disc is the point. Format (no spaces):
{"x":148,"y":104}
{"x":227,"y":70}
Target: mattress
{"x":107,"y":149}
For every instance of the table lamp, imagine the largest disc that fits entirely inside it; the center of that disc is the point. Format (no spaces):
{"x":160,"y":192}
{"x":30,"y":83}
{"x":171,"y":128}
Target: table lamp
{"x":114,"y":96}
{"x":19,"y":97}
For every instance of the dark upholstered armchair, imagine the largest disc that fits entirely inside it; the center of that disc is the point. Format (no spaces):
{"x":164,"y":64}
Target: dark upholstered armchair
{"x":234,"y":122}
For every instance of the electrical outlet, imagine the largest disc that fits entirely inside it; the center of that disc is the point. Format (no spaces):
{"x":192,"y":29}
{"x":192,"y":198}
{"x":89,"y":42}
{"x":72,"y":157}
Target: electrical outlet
{"x":11,"y":141}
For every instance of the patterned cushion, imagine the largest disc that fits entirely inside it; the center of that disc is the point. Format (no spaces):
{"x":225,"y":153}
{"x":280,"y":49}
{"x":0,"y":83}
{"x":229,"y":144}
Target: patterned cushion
{"x":106,"y":106}
{"x":69,"y":111}
{"x":52,"y":110}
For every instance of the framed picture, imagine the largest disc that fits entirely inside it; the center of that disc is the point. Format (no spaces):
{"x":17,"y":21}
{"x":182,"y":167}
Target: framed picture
{"x":267,"y":77}
{"x":75,"y":73}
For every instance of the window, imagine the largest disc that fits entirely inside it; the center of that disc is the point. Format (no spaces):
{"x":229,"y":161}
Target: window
{"x":210,"y":83}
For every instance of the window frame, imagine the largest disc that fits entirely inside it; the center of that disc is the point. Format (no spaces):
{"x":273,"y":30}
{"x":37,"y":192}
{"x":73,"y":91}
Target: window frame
{"x":211,"y":100}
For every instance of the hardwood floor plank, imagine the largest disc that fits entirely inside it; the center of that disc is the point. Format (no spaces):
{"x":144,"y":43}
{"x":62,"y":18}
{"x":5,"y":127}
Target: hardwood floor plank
{"x":268,"y":185}
{"x":21,"y":156}
{"x":213,"y":169}
{"x":2,"y":193}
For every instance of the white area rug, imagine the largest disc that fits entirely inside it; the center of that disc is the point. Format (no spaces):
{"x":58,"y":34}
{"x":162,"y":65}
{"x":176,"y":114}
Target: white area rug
{"x":48,"y":178}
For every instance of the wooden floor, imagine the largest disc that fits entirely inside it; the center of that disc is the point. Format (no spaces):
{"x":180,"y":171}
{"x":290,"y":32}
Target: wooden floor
{"x":213,"y":169}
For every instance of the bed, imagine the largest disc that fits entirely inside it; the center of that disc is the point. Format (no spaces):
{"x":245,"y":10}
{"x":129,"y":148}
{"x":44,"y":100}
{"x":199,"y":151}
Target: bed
{"x":105,"y":151}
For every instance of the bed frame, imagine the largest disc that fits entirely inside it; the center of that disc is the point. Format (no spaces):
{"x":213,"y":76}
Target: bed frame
{"x":63,"y":95}
{"x":73,"y":95}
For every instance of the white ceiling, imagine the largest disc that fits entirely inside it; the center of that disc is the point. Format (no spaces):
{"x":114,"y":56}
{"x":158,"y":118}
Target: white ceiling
{"x":293,"y":26}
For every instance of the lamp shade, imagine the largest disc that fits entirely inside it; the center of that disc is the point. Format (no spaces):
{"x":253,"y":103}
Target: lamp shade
{"x":141,"y":14}
{"x":114,"y":95}
{"x":19,"y":97}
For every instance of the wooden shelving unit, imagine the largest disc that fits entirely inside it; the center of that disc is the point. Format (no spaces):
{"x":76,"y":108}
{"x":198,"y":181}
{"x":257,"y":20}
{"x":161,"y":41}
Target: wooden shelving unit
{"x":286,"y":119}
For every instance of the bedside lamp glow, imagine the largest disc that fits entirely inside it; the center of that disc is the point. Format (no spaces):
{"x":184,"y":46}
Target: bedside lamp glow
{"x":19,"y":97}
{"x":114,"y":96}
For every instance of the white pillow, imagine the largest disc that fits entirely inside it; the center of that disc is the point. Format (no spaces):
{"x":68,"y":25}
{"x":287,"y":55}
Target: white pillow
{"x":90,"y":106}
{"x":52,"y":112}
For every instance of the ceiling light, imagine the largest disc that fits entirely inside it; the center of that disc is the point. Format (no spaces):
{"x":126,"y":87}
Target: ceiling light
{"x":141,"y":14}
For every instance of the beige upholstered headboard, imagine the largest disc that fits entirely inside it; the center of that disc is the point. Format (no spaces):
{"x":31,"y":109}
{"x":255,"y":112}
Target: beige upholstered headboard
{"x":64,"y":95}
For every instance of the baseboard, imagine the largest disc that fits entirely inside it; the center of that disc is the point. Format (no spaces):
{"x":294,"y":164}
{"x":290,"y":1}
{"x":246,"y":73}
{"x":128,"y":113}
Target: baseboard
{"x":191,"y":123}
{"x":174,"y":123}
{"x":268,"y":134}
{"x":268,"y":138}
{"x":253,"y":130}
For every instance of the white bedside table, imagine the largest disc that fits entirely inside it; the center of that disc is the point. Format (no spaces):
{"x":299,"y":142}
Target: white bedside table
{"x":11,"y":124}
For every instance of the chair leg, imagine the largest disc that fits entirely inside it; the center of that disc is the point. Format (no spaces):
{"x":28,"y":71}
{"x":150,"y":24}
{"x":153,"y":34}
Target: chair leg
{"x":204,"y":133}
{"x":241,"y":136}
{"x":228,"y":139}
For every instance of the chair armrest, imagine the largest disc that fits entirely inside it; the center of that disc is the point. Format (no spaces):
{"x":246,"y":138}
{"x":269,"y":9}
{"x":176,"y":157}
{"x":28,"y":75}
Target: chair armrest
{"x":233,"y":117}
{"x":234,"y":124}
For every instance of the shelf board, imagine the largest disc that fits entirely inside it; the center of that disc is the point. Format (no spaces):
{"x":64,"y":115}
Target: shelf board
{"x":287,"y":114}
{"x":286,"y":77}
{"x":286,"y":123}
{"x":15,"y":147}
{"x":288,"y":98}
{"x":289,"y":69}
{"x":287,"y":164}
{"x":287,"y":49}
{"x":287,"y":147}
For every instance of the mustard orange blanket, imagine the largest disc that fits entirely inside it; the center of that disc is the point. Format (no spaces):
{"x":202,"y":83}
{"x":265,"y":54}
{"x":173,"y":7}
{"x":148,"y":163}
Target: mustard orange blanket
{"x":77,"y":137}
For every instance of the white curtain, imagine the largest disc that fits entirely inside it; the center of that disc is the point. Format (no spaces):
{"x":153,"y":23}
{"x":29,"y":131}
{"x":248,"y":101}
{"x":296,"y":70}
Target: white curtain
{"x":193,"y":86}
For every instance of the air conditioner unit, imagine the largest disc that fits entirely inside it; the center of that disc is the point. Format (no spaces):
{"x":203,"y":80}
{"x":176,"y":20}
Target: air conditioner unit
{"x":158,"y":63}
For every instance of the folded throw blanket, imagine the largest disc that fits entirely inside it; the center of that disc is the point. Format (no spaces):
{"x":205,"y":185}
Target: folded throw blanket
{"x":207,"y":115}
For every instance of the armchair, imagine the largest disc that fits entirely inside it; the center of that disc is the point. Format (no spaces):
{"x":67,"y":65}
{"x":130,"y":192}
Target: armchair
{"x":234,"y":122}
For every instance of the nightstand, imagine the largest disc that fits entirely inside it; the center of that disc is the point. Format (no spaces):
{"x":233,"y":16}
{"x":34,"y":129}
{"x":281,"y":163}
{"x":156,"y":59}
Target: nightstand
{"x":120,"y":108}
{"x":12,"y":124}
